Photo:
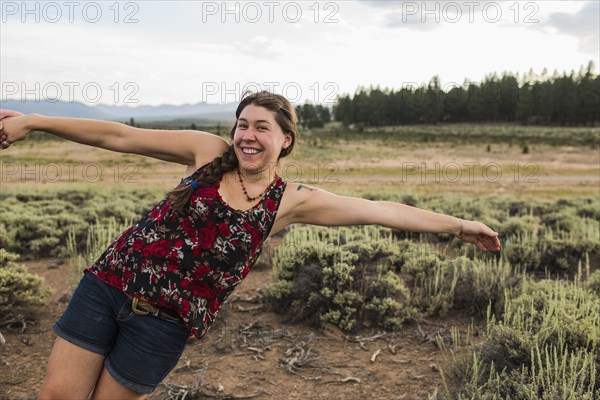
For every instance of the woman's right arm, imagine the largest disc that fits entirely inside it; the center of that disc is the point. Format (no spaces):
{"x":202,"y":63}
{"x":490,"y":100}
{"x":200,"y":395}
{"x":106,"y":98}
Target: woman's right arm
{"x":187,"y":147}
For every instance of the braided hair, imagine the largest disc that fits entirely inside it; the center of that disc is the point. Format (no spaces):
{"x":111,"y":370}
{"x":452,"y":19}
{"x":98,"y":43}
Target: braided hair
{"x":286,"y":118}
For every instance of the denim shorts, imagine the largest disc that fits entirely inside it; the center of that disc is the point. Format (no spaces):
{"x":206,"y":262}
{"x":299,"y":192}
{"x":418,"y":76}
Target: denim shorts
{"x":140,"y":350}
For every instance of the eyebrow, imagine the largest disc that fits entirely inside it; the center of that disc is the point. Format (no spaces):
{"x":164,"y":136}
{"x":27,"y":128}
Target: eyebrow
{"x":257,"y":121}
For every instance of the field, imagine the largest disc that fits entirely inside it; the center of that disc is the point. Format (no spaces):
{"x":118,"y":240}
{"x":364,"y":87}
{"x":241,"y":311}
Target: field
{"x":254,"y":352}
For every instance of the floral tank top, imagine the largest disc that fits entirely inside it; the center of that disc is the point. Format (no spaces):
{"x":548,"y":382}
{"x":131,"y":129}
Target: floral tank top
{"x":190,"y":261}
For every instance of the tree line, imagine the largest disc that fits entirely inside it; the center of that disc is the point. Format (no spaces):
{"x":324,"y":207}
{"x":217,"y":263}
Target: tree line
{"x":568,"y":100}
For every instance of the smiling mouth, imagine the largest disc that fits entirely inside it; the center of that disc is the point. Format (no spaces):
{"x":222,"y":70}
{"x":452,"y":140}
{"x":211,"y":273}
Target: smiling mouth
{"x":250,"y":151}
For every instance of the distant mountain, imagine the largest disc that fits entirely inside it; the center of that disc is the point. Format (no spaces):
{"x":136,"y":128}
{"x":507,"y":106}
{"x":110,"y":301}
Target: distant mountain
{"x":163,"y":112}
{"x":57,"y":109}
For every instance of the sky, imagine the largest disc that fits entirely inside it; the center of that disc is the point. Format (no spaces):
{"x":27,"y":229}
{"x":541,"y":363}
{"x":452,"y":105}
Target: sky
{"x":177,"y":52}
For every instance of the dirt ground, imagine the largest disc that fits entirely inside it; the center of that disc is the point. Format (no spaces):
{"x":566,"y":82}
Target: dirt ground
{"x":246,"y":352}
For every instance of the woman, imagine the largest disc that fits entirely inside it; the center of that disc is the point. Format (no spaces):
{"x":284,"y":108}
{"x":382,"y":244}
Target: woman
{"x":164,"y":278}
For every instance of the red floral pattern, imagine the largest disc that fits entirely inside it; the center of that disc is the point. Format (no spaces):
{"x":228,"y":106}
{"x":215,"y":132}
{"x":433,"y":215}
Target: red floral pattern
{"x":190,"y":261}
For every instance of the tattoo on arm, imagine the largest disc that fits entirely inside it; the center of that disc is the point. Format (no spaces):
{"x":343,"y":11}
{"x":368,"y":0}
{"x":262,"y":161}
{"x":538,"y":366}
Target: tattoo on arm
{"x":303,"y":186}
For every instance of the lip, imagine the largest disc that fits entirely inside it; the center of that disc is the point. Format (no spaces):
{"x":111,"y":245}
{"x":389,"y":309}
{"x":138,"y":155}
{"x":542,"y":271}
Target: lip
{"x":251,"y":148}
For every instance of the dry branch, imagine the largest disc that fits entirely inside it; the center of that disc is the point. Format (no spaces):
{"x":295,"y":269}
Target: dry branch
{"x":345,"y":380}
{"x":250,"y":308}
{"x":363,"y":339}
{"x":199,"y":391}
{"x":259,"y":335}
{"x":374,"y":355}
{"x":10,"y":320}
{"x":298,"y":357}
{"x":248,"y":299}
{"x":392,"y":347}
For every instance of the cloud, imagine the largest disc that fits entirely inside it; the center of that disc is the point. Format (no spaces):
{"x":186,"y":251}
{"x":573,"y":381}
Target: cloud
{"x":399,"y":20}
{"x":428,"y":15}
{"x":584,"y":25}
{"x":410,"y":14}
{"x":262,"y":47}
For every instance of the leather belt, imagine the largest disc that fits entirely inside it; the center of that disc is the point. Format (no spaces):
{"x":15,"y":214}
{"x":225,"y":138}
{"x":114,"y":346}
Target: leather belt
{"x":141,"y":307}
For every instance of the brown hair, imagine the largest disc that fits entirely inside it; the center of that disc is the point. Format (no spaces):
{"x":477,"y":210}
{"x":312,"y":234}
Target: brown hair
{"x":286,"y":118}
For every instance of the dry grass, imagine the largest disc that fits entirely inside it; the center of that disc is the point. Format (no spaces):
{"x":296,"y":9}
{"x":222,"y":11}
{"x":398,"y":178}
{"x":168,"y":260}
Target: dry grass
{"x":338,"y":165}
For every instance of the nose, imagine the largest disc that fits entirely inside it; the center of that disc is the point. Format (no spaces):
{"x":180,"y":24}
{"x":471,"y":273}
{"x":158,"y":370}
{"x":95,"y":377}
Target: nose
{"x":249,"y":134}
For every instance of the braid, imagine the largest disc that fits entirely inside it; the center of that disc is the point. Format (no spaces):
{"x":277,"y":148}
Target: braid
{"x":226,"y":162}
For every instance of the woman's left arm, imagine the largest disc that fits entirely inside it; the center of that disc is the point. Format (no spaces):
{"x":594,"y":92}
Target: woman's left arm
{"x":319,"y":207}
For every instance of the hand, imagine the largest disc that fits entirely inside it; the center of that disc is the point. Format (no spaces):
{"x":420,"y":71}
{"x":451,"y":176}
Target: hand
{"x":480,"y":235}
{"x":13,"y":127}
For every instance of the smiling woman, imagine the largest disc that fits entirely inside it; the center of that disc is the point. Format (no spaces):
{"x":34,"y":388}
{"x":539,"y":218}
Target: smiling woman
{"x":166,"y":276}
{"x":265,"y":131}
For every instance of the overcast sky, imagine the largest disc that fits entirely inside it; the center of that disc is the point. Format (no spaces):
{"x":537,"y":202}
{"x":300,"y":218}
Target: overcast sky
{"x":157,"y":52}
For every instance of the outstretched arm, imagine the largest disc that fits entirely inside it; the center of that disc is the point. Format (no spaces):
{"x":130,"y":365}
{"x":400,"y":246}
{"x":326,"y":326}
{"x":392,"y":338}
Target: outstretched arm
{"x":185,"y":147}
{"x":319,"y":207}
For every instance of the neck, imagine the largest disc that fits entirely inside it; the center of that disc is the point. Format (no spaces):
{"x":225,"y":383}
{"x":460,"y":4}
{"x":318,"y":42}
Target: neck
{"x":245,"y":190}
{"x":264,"y":176}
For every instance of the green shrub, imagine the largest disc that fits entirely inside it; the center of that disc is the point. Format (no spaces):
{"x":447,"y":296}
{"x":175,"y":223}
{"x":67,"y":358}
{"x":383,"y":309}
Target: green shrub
{"x":485,"y":283}
{"x":562,"y":220}
{"x":564,"y":254}
{"x":36,"y":223}
{"x":517,"y":226}
{"x":346,"y":276}
{"x":365,"y":277}
{"x":432,"y":280}
{"x":556,"y":253}
{"x":99,"y":237}
{"x":17,"y":287}
{"x":545,"y":345}
{"x":593,"y":282}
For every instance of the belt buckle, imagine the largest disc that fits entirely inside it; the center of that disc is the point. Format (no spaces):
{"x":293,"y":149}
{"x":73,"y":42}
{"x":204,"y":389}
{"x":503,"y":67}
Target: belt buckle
{"x":134,"y":305}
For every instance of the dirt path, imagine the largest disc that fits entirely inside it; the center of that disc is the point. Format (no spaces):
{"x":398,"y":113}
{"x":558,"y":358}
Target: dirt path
{"x":343,"y":370}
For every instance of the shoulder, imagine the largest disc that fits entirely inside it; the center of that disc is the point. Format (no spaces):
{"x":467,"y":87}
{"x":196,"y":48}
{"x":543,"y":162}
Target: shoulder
{"x":297,"y":195}
{"x":294,"y":195}
{"x":210,"y":147}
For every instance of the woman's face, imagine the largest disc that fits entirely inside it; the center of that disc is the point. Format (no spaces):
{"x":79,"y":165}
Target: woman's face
{"x":258,"y":140}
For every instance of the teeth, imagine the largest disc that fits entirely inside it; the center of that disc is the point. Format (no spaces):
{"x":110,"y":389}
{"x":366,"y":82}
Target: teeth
{"x":250,"y":151}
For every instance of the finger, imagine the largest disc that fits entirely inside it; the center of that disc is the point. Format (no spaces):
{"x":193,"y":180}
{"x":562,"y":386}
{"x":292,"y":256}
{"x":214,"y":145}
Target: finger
{"x":9,"y":113}
{"x":484,"y":241}
{"x":485,"y":246}
{"x":486,"y":230}
{"x":489,"y":232}
{"x":493,"y":244}
{"x":493,"y":241}
{"x":490,"y":243}
{"x":1,"y":125}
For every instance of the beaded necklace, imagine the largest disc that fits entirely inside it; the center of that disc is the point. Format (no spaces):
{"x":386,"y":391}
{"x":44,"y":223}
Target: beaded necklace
{"x":248,"y":198}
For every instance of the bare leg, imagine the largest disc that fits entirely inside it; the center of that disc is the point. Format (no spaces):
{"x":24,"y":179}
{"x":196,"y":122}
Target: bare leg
{"x":108,"y":388}
{"x":71,"y":373}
